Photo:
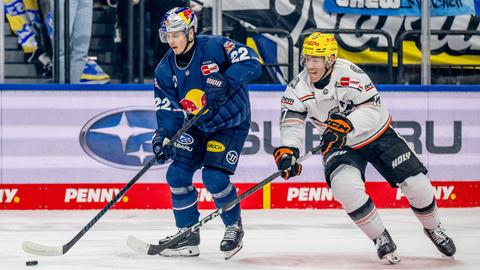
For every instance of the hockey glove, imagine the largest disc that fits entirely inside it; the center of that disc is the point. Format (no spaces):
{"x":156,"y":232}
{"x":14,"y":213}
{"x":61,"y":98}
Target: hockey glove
{"x":286,"y":159}
{"x":217,"y":87}
{"x":335,"y":136}
{"x":162,"y":150}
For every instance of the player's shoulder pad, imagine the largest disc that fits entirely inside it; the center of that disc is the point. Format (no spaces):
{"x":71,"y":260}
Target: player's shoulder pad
{"x":348,"y":75}
{"x":163,"y":71}
{"x":210,"y":42}
{"x":294,"y":95}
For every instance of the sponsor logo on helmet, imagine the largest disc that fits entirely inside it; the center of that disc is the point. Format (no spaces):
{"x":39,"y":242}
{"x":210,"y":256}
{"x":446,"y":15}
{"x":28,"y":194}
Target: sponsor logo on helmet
{"x":209,"y":69}
{"x":120,"y":138}
{"x":193,"y":101}
{"x":312,"y":43}
{"x":186,"y":15}
{"x":214,"y":146}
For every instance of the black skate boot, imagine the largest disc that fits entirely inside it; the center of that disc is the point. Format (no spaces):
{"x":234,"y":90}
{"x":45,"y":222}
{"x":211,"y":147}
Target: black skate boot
{"x":386,"y":248}
{"x":187,"y":247}
{"x":232,"y":239}
{"x":443,"y":243}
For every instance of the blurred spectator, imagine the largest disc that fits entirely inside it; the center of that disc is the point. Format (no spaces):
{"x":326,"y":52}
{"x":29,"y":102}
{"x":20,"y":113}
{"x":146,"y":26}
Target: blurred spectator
{"x":82,"y":68}
{"x":156,"y":9}
{"x":25,"y":21}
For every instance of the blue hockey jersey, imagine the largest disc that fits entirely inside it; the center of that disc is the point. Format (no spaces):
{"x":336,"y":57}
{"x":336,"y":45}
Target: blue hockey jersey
{"x":180,"y":90}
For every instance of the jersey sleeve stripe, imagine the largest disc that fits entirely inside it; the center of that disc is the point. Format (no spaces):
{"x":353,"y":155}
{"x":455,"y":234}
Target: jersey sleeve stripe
{"x":292,"y":121}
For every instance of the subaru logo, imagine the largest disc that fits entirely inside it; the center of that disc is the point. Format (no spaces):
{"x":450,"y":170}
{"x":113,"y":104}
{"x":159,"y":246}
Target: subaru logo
{"x":185,"y":139}
{"x":121,"y":138}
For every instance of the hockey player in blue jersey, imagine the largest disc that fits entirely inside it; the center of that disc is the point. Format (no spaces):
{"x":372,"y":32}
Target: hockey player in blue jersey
{"x":199,"y":71}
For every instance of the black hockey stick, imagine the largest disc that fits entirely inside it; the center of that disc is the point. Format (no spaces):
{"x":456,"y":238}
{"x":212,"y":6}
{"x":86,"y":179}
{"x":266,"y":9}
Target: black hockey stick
{"x":38,"y":249}
{"x":154,"y":249}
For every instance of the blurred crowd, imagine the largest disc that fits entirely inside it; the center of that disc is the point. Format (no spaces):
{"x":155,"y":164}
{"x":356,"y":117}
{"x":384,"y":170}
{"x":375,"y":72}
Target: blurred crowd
{"x":33,"y":23}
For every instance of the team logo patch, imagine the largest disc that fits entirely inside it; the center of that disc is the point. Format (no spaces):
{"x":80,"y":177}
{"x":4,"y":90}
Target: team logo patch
{"x":215,"y":147}
{"x":185,"y":139}
{"x":193,"y":101}
{"x":229,"y":46}
{"x":232,"y":157}
{"x":209,"y":69}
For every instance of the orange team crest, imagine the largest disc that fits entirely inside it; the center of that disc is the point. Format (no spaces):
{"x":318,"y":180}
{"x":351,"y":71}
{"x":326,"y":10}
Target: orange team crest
{"x":193,"y":101}
{"x":186,"y":15}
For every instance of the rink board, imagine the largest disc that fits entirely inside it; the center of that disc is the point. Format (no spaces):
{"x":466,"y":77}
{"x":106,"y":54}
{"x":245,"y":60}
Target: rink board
{"x":273,"y":196}
{"x":72,"y":147}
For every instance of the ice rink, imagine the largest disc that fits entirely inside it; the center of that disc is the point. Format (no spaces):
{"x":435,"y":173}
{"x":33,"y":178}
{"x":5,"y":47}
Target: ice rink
{"x":274,"y":239}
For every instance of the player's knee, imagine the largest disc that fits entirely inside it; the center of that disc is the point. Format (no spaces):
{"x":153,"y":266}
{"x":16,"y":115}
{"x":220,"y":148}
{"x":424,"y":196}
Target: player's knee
{"x":217,"y":182}
{"x":179,"y":175}
{"x":418,"y":190}
{"x":348,"y":188}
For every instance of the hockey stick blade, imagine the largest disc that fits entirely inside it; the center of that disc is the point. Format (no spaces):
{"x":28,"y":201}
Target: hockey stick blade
{"x":38,"y":249}
{"x":154,"y":249}
{"x":42,"y":250}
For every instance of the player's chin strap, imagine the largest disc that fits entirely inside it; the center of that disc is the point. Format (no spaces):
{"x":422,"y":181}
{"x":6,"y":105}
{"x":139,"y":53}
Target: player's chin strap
{"x":188,"y":42}
{"x":327,"y":70}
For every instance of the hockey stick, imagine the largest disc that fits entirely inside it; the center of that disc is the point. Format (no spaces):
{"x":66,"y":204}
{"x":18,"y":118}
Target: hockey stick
{"x":43,"y":250}
{"x":153,"y":249}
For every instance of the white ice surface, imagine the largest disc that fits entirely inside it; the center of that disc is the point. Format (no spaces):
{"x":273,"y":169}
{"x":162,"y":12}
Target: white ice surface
{"x":274,"y":239}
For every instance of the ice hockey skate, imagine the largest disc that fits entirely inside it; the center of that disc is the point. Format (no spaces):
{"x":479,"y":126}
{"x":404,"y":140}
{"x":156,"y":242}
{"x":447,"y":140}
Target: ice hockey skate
{"x":187,"y":247}
{"x":232,"y":239}
{"x":443,"y":243}
{"x":386,"y":248}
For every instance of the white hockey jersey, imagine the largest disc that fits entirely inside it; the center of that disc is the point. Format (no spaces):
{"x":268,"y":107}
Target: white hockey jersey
{"x":350,"y":91}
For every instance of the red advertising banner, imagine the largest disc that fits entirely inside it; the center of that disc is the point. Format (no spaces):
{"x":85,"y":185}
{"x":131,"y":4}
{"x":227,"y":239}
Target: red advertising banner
{"x":276,"y":195}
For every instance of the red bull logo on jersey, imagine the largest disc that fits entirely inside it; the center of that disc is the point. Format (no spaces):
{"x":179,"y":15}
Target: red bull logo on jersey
{"x":229,"y":46}
{"x":193,"y":101}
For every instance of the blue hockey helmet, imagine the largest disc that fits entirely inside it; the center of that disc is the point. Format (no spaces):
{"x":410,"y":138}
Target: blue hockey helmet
{"x":177,"y":19}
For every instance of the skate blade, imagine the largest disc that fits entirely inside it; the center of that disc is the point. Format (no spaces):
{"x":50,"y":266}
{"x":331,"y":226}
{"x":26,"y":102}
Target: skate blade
{"x":231,"y":253}
{"x":193,"y":251}
{"x":391,"y":258}
{"x":450,"y":258}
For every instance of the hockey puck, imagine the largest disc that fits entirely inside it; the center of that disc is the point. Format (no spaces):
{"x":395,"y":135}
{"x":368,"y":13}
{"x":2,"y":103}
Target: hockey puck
{"x":31,"y":263}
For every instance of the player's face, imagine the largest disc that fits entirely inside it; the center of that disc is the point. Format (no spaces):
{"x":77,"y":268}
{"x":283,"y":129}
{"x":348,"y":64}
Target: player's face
{"x":315,"y":66}
{"x":177,"y":41}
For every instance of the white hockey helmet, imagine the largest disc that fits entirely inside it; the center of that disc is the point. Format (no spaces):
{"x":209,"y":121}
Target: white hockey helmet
{"x":177,"y":19}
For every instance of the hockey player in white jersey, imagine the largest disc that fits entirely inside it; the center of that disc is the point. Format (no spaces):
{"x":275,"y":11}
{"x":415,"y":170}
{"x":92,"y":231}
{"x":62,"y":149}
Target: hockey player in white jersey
{"x":343,"y":103}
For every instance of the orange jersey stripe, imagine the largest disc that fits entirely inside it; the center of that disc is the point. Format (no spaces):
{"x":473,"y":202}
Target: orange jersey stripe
{"x":374,"y":137}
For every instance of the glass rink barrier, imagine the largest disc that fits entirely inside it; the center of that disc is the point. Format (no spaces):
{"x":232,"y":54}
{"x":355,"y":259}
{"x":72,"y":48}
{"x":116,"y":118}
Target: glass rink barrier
{"x":75,"y":147}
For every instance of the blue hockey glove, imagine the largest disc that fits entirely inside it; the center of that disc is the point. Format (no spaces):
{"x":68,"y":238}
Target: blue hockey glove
{"x":335,"y":136}
{"x":216,"y":90}
{"x":162,"y":150}
{"x":286,"y":159}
